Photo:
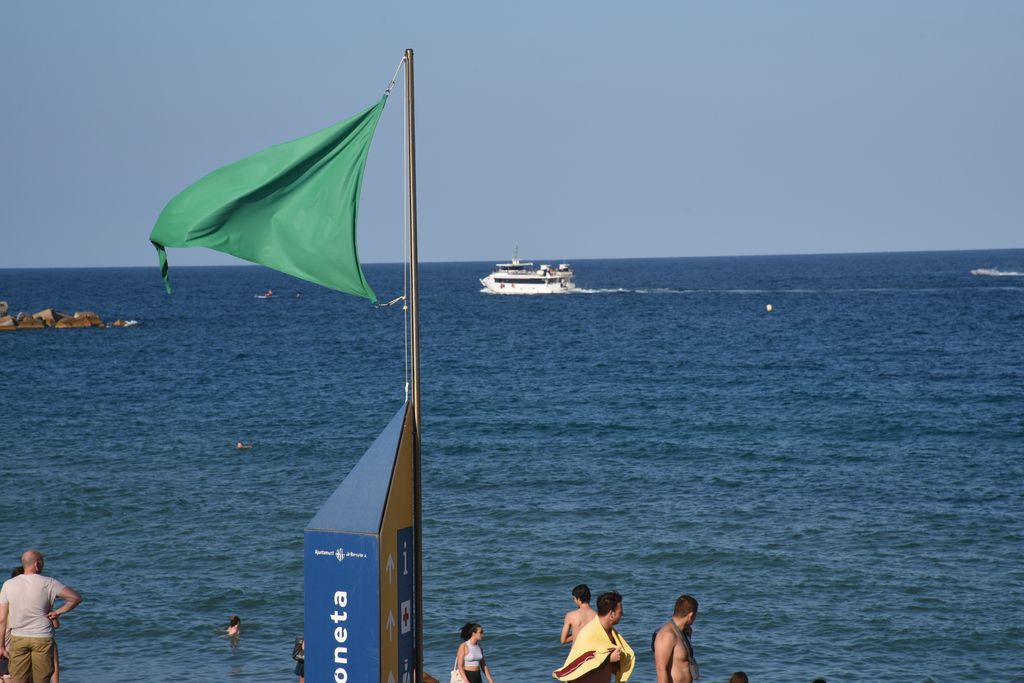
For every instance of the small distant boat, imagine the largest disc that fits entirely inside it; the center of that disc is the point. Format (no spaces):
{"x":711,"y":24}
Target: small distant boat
{"x":520,"y":277}
{"x":265,"y":295}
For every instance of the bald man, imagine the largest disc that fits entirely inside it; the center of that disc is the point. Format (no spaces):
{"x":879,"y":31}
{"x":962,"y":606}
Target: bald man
{"x":26,"y":607}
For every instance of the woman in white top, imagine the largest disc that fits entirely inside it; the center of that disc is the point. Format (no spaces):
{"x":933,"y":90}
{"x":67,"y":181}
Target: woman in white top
{"x":469,"y":660}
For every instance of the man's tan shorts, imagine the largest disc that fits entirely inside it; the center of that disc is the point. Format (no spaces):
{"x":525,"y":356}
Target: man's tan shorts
{"x":31,"y":659}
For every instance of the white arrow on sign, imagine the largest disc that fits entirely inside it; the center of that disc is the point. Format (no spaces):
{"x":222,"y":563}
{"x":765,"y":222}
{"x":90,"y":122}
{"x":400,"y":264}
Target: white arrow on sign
{"x":391,"y":568}
{"x":391,"y":625}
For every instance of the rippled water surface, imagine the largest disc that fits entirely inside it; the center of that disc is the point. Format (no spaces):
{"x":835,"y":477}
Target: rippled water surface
{"x":840,"y":482}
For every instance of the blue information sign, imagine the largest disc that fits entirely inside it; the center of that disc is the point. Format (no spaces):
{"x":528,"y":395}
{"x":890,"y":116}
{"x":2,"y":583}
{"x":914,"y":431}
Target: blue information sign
{"x":342,"y":607}
{"x":359,"y":569}
{"x":406,"y":626}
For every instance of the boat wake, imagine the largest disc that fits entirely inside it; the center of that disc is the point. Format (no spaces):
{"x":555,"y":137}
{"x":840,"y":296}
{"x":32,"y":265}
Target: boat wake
{"x":621,"y":290}
{"x":746,"y":292}
{"x":995,"y":272}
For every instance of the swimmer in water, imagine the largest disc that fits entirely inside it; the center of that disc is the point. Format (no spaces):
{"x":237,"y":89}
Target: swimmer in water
{"x":234,"y":630}
{"x":242,"y":446}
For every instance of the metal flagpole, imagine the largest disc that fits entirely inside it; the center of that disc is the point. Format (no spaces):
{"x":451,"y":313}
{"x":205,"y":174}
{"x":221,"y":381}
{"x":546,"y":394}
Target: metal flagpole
{"x":414,"y":314}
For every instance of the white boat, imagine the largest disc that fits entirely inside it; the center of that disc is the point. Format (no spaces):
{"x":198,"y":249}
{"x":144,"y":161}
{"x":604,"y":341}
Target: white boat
{"x":520,"y":277}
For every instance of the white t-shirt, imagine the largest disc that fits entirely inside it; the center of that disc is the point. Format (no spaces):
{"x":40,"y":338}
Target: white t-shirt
{"x":30,"y":598}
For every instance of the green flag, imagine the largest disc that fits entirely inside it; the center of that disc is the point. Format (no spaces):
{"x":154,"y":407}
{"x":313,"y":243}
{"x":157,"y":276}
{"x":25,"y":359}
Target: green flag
{"x":291,"y":207}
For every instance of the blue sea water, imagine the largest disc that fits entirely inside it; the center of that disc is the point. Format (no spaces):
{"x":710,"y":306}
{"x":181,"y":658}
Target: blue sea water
{"x":839,"y":482}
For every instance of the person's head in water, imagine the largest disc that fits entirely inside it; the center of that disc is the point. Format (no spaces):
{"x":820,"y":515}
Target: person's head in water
{"x":738,"y":677}
{"x":582,"y":594}
{"x":235,"y":620}
{"x":686,"y":609}
{"x":17,"y":571}
{"x":470,"y":629}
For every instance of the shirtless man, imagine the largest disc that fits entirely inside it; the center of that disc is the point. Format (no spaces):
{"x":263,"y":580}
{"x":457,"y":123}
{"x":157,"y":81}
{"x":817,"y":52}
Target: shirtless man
{"x":599,"y":651}
{"x":673,"y":654}
{"x":579,"y":617}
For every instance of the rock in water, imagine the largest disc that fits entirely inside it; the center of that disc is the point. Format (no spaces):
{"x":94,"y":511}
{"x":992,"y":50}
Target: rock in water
{"x":69,"y":323}
{"x":93,"y":319}
{"x":29,"y":322}
{"x":49,"y":316}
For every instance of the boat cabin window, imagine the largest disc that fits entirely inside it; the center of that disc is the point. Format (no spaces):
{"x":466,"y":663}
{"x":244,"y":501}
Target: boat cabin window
{"x":521,"y":280}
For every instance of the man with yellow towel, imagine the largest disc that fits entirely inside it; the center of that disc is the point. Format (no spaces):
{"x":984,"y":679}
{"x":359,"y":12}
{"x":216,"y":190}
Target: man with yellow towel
{"x":598,"y":651}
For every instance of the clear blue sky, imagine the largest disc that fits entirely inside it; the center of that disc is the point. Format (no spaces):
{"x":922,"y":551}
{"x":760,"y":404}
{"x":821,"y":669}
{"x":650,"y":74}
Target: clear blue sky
{"x":577,"y":129}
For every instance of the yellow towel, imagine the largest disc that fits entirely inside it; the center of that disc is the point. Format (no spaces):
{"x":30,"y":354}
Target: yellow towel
{"x":590,"y":649}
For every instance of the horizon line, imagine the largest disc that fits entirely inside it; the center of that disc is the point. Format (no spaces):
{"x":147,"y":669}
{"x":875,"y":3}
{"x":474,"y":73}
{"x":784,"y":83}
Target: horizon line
{"x":243,"y":264}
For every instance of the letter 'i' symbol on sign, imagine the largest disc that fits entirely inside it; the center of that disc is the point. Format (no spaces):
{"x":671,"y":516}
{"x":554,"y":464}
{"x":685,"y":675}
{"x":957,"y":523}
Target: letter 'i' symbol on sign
{"x":405,"y":559}
{"x":405,"y":674}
